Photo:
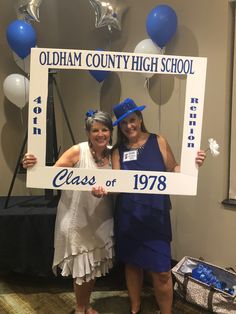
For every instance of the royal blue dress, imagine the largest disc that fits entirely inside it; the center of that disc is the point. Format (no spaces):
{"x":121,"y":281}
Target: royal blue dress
{"x":142,"y":221}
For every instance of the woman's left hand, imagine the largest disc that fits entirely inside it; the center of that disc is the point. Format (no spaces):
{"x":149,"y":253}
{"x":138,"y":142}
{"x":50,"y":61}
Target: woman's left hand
{"x":99,"y":191}
{"x":201,"y":156}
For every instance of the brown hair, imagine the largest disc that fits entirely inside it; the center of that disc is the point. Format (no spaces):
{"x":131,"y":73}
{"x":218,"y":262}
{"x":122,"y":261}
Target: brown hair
{"x":121,"y":138}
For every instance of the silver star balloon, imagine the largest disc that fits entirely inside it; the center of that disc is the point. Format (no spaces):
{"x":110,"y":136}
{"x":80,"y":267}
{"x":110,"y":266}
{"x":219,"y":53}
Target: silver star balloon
{"x":109,"y":13}
{"x":28,"y":9}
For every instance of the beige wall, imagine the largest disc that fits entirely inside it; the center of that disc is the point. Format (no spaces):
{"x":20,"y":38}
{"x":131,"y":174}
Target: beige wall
{"x":202,"y":226}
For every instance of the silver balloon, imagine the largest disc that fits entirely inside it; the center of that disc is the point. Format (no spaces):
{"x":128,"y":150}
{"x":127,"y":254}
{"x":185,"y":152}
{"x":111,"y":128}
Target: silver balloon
{"x":28,"y":9}
{"x":109,"y":13}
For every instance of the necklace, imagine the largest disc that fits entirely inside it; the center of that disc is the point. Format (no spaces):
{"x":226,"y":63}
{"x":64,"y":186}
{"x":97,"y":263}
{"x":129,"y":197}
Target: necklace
{"x":102,"y":160}
{"x":138,"y":148}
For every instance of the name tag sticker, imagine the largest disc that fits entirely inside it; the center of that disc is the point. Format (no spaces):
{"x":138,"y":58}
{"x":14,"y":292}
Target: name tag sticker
{"x":130,"y":155}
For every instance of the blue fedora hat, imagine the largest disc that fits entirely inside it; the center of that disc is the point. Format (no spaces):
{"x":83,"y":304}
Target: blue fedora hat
{"x":124,"y":109}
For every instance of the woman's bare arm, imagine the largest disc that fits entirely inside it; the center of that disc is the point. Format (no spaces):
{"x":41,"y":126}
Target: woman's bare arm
{"x":167,"y":154}
{"x":69,"y":158}
{"x":169,"y":159}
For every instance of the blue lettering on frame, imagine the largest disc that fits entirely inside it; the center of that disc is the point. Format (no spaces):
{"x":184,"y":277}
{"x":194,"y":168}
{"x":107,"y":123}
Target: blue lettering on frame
{"x":37,"y":111}
{"x":175,"y":65}
{"x":66,"y":177}
{"x":192,"y":122}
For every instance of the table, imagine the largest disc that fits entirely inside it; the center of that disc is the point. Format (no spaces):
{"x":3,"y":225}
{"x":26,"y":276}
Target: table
{"x":26,"y":235}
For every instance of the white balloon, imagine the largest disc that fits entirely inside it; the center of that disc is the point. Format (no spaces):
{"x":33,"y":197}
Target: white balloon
{"x":24,"y":64}
{"x":149,"y":47}
{"x":16,"y":89}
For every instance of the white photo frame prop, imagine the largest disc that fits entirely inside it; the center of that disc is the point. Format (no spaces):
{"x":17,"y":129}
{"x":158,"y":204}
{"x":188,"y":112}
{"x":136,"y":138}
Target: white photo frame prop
{"x":183,"y":183}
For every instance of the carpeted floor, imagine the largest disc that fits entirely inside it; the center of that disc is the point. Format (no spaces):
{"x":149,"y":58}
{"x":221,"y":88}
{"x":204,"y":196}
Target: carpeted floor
{"x":34,"y":295}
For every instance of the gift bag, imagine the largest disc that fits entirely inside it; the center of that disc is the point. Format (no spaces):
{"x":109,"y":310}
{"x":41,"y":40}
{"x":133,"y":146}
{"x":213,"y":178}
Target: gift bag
{"x":206,"y":285}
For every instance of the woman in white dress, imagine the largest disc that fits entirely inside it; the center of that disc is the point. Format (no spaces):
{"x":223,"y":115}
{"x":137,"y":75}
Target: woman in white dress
{"x":84,"y":241}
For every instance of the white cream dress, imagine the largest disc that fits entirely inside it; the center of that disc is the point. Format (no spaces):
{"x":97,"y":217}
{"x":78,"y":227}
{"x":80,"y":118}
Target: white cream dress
{"x":84,"y":239}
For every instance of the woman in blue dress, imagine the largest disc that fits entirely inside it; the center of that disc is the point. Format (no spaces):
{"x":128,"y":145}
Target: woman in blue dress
{"x":142,"y":221}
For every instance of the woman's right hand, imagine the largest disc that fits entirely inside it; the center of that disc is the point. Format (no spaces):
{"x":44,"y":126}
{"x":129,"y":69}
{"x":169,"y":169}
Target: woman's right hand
{"x":29,"y":160}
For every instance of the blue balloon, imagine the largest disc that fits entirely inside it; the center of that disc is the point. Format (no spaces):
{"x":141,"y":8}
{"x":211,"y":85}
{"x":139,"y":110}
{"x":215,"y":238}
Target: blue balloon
{"x":99,"y":75}
{"x":21,"y":37}
{"x":161,"y":24}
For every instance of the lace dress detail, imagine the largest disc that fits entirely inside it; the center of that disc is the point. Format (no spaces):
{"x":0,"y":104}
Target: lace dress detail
{"x":84,"y":240}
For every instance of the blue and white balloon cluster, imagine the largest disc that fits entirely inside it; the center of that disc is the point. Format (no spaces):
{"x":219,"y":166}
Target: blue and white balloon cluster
{"x":161,"y":26}
{"x":21,"y":37}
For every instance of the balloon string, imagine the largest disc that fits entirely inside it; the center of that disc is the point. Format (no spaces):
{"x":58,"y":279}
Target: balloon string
{"x":109,"y":36}
{"x":24,"y":65}
{"x":26,"y":100}
{"x":179,"y":105}
{"x":146,"y":84}
{"x":159,"y":107}
{"x":163,"y":50}
{"x":21,"y":116}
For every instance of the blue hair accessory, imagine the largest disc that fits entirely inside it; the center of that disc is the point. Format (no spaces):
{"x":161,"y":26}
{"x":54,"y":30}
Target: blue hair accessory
{"x":90,"y":113}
